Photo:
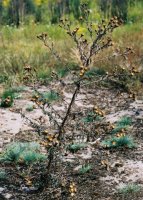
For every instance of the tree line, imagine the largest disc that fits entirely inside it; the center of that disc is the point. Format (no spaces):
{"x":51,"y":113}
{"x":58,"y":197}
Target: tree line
{"x":16,"y":12}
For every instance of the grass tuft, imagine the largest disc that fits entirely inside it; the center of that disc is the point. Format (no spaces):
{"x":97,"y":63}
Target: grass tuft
{"x":116,"y":142}
{"x":130,"y":189}
{"x":76,"y":147}
{"x":25,"y":153}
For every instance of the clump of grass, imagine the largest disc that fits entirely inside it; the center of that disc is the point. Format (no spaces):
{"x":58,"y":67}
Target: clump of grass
{"x":76,"y":147}
{"x":91,"y":117}
{"x":50,"y":96}
{"x":62,"y":72}
{"x":7,"y":98}
{"x":2,"y":174}
{"x":116,"y":142}
{"x":29,"y":108}
{"x":26,"y":153}
{"x":130,"y":189}
{"x":44,"y":76}
{"x":95,"y":72}
{"x":3,"y":78}
{"x":85,"y":169}
{"x":123,"y":123}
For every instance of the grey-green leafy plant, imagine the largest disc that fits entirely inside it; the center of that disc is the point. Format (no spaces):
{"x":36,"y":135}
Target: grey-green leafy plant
{"x":85,"y":169}
{"x":123,"y":123}
{"x":123,"y":141}
{"x":2,"y":174}
{"x":50,"y":96}
{"x":7,"y":98}
{"x":130,"y":189}
{"x":76,"y":147}
{"x":91,"y":117}
{"x":95,"y":72}
{"x":22,"y":153}
{"x":29,"y":108}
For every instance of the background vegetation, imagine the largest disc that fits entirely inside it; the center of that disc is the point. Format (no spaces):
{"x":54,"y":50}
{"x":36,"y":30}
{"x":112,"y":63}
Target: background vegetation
{"x":22,"y":20}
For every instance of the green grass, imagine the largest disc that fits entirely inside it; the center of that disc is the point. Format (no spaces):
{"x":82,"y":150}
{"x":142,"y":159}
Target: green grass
{"x":123,"y":123}
{"x":50,"y":96}
{"x":26,"y":153}
{"x":95,"y":72}
{"x":29,"y":108}
{"x":116,"y":142}
{"x":76,"y":147}
{"x":7,"y":98}
{"x":2,"y":174}
{"x":85,"y":169}
{"x":130,"y":189}
{"x":91,"y":117}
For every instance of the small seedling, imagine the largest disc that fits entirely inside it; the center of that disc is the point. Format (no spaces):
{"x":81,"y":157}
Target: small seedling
{"x":7,"y":98}
{"x":125,"y":121}
{"x":22,"y":153}
{"x":76,"y":147}
{"x":50,"y":96}
{"x":95,"y":72}
{"x":130,"y":189}
{"x":116,"y":142}
{"x":91,"y":117}
{"x":2,"y":174}
{"x":84,"y":169}
{"x":30,"y":108}
{"x":62,"y":72}
{"x":122,"y":124}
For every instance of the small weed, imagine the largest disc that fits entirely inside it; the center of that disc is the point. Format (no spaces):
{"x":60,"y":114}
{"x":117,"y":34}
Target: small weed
{"x":7,"y":98}
{"x":122,"y":124}
{"x":22,"y":153}
{"x":95,"y":72}
{"x":130,"y":189}
{"x":84,"y":169}
{"x":91,"y":117}
{"x":62,"y":72}
{"x":50,"y":96}
{"x":2,"y":174}
{"x":44,"y":76}
{"x":124,"y":121}
{"x":76,"y":147}
{"x":115,"y":142}
{"x":3,"y":78}
{"x":29,"y":108}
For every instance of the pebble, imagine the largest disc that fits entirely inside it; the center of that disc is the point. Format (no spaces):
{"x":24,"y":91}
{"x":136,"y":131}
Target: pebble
{"x":1,"y":189}
{"x":8,"y":196}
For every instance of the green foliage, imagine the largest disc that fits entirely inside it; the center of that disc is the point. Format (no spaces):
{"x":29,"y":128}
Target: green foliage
{"x":85,"y":169}
{"x":124,"y":121}
{"x":29,"y":108}
{"x":7,"y":98}
{"x":3,"y":78}
{"x":9,"y":95}
{"x":130,"y":189}
{"x":62,"y":72}
{"x":44,"y":76}
{"x":91,"y":117}
{"x":50,"y":96}
{"x":95,"y":72}
{"x":2,"y":174}
{"x":116,"y":142}
{"x":22,"y":153}
{"x":76,"y":147}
